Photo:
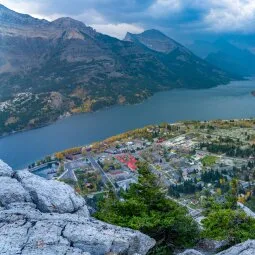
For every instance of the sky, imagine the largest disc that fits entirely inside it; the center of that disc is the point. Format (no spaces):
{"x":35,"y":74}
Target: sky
{"x":177,"y":18}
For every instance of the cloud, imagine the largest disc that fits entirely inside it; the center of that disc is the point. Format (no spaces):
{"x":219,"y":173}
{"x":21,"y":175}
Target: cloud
{"x":117,"y":30}
{"x":231,"y":15}
{"x":116,"y":17}
{"x":164,"y":7}
{"x":33,"y":8}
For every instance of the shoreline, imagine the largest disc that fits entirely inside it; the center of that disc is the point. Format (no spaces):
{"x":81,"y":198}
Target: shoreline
{"x":63,"y":116}
{"x":118,"y":134}
{"x":21,"y":150}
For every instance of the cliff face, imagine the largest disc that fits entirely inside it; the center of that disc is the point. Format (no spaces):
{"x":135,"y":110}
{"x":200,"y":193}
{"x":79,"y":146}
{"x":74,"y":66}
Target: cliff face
{"x":47,"y":217}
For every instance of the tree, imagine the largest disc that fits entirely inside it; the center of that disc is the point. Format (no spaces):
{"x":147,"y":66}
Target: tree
{"x":227,"y":224}
{"x":232,"y":197}
{"x":145,"y":207}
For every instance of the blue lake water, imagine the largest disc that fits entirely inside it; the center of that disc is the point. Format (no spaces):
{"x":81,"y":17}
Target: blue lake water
{"x":223,"y":102}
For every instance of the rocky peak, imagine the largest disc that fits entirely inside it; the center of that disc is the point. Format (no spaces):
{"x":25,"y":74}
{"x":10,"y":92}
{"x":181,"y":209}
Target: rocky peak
{"x":44,"y":217}
{"x":72,"y":25}
{"x":11,"y":17}
{"x":154,"y":33}
{"x":155,"y":40}
{"x":66,"y":22}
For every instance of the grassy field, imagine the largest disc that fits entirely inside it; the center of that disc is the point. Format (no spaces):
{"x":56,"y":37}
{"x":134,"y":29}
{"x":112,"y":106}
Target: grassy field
{"x":209,"y":160}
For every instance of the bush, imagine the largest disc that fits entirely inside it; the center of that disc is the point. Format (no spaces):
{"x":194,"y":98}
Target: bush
{"x":226,"y":224}
{"x":145,"y":207}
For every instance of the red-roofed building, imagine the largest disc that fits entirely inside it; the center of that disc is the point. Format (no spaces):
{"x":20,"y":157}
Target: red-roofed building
{"x":128,"y":160}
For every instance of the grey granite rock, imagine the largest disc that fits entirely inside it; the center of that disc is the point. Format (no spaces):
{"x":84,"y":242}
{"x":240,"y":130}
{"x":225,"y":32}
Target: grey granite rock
{"x":11,"y":191}
{"x":211,"y":246}
{"x":40,"y":217}
{"x":5,"y":170}
{"x":50,"y":195}
{"x":246,"y":248}
{"x":191,"y":252}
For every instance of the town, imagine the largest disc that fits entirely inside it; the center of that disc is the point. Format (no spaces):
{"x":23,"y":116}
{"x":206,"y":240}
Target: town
{"x":194,"y":161}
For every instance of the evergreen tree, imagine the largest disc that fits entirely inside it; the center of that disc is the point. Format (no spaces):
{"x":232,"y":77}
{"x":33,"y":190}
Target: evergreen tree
{"x":145,"y":207}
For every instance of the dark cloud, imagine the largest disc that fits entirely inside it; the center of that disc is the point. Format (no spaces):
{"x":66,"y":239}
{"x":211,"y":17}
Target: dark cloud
{"x":178,"y":17}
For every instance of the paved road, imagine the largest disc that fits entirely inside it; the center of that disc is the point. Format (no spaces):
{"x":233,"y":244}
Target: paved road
{"x":97,"y":167}
{"x":68,"y":173}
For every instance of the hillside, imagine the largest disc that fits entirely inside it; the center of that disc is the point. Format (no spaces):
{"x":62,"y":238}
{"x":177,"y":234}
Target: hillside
{"x":190,"y":70}
{"x":227,"y":55}
{"x":87,"y":70}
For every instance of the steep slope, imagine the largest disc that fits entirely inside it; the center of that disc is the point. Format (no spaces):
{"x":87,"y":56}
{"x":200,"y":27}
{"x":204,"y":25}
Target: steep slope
{"x":86,"y":69}
{"x":155,"y":40}
{"x":187,"y":67}
{"x":226,"y":55}
{"x":47,"y":217}
{"x":232,"y":59}
{"x":202,"y":48}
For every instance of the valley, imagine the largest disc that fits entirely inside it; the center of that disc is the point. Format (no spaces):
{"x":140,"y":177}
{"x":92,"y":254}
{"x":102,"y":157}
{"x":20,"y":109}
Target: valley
{"x":198,"y":164}
{"x":87,"y":70}
{"x":127,"y":127}
{"x":231,"y":101}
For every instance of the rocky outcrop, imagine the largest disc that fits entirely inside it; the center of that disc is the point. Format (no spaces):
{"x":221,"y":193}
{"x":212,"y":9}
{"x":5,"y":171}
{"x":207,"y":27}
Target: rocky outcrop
{"x":47,"y":217}
{"x":5,"y":170}
{"x":191,"y":252}
{"x":50,"y":196}
{"x":246,"y":248}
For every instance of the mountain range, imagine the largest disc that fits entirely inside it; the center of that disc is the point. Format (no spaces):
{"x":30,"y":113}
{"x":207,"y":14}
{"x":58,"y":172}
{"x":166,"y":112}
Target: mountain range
{"x":49,"y":68}
{"x":228,"y":54}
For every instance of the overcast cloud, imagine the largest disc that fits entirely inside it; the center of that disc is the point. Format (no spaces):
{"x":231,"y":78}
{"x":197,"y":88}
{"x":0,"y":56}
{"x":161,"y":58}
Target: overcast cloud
{"x":116,"y":17}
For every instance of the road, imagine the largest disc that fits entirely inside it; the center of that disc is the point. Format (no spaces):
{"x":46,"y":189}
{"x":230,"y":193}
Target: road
{"x":68,"y":173}
{"x":97,"y":167}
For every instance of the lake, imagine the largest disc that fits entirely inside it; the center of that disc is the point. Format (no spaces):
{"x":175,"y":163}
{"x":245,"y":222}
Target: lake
{"x":223,"y":102}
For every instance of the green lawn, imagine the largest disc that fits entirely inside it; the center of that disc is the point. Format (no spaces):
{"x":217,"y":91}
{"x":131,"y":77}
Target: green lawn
{"x":209,"y":160}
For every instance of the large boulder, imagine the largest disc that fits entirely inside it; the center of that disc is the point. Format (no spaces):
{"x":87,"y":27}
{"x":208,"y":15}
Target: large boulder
{"x":50,"y":195}
{"x":246,"y":248}
{"x":12,"y":191}
{"x":43,"y":217}
{"x":5,"y":170}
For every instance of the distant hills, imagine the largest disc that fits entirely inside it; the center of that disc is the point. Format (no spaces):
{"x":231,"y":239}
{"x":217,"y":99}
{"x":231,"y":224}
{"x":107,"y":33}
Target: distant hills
{"x":65,"y":65}
{"x":226,"y":54}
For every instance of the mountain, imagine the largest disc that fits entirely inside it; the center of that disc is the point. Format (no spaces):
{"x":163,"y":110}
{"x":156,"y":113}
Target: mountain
{"x":49,"y":68}
{"x":155,"y":40}
{"x":227,"y":55}
{"x":203,"y":48}
{"x":189,"y":69}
